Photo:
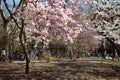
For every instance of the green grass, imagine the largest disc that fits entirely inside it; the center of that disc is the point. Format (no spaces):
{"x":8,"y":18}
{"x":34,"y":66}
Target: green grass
{"x":107,"y":61}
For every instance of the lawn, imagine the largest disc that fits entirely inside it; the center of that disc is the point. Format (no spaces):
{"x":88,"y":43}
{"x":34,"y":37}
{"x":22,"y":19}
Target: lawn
{"x":99,"y":59}
{"x":80,"y":69}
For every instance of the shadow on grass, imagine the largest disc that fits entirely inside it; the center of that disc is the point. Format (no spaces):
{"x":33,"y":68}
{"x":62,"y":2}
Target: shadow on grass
{"x":10,"y":74}
{"x":11,"y":68}
{"x":98,"y":69}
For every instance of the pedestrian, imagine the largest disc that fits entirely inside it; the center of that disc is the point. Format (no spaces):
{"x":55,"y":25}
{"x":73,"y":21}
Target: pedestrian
{"x":3,"y":54}
{"x":33,"y":54}
{"x":88,"y":54}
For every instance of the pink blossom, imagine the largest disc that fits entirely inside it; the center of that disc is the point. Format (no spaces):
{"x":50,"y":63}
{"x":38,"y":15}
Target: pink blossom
{"x":52,"y":20}
{"x":36,"y":31}
{"x":85,"y":2}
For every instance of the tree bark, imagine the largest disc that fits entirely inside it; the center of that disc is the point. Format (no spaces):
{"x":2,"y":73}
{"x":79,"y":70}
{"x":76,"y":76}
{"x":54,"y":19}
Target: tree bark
{"x":23,"y":45}
{"x":5,"y":36}
{"x":27,"y":68}
{"x":25,"y":53}
{"x":70,"y":51}
{"x":78,"y":54}
{"x":104,"y":46}
{"x":4,"y":41}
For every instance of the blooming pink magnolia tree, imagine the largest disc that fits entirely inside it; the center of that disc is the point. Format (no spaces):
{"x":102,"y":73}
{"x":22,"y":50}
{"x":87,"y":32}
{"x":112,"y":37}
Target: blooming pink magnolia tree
{"x":53,"y":19}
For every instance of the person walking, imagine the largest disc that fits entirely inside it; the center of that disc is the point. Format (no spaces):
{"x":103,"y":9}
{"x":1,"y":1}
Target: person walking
{"x":3,"y":54}
{"x":33,"y":54}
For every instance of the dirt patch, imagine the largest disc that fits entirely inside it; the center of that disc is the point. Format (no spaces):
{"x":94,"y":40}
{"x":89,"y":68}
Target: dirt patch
{"x":60,"y":70}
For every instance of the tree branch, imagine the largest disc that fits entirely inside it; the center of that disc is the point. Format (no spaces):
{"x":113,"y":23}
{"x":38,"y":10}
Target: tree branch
{"x":14,"y":4}
{"x":1,"y":12}
{"x":11,"y":14}
{"x":21,"y":1}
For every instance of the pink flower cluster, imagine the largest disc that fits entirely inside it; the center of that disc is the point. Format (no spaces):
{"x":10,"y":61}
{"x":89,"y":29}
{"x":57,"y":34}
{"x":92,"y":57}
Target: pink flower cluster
{"x":53,"y":19}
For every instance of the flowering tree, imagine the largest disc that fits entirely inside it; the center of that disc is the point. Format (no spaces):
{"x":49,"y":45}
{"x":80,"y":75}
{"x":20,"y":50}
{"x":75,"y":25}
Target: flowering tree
{"x":52,"y":19}
{"x":86,"y":42}
{"x":106,"y":18}
{"x":49,"y":19}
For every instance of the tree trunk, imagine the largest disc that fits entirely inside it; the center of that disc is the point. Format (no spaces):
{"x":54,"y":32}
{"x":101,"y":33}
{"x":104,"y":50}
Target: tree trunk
{"x":39,"y":56}
{"x":25,"y":54}
{"x":104,"y":45}
{"x":4,"y":41}
{"x":70,"y":51}
{"x":78,"y":54}
{"x":27,"y":68}
{"x":23,"y":45}
{"x":115,"y":46}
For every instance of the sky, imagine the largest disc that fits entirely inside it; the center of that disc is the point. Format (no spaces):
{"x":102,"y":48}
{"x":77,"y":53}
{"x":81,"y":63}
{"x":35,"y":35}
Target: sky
{"x":10,"y":2}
